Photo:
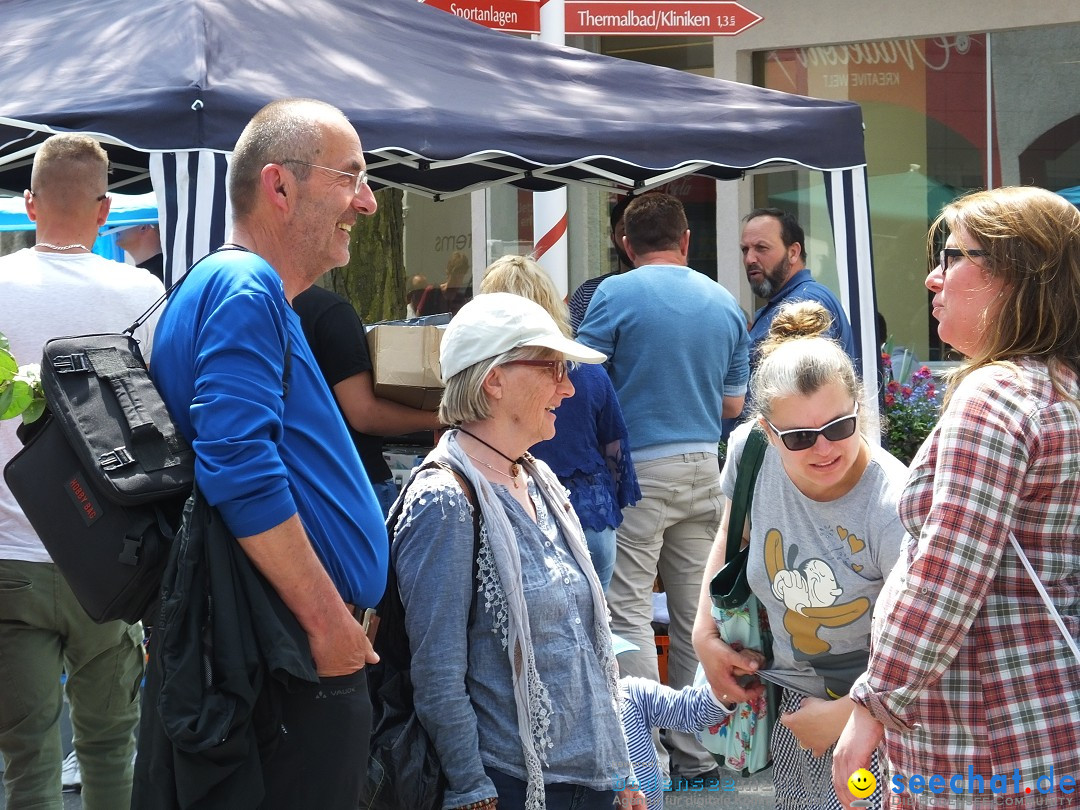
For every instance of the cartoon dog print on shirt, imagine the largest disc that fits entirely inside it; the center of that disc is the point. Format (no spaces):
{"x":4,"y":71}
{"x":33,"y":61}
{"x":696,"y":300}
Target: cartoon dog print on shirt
{"x":810,"y":593}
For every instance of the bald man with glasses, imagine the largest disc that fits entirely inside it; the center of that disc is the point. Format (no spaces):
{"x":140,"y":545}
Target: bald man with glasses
{"x":275,"y":462}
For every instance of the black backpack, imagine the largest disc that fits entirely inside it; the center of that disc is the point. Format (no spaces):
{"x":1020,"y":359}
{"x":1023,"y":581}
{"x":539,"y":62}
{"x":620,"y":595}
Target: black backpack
{"x":105,"y":472}
{"x":403,"y":769}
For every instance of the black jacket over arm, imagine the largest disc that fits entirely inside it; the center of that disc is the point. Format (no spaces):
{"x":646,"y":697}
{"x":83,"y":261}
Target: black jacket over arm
{"x":224,"y":646}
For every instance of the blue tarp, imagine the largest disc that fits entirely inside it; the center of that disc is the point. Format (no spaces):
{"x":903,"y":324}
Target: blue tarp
{"x":126,"y":210}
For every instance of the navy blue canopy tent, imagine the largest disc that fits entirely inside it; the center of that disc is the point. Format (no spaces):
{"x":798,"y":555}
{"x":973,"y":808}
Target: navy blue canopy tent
{"x":443,"y":106}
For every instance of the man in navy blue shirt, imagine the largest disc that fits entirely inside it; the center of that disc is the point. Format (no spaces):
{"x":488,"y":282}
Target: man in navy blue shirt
{"x":774,"y":254}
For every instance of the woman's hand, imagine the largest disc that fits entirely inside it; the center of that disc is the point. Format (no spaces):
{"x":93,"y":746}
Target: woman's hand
{"x":729,"y":669}
{"x":725,"y":666}
{"x":817,"y":723}
{"x":861,"y":735}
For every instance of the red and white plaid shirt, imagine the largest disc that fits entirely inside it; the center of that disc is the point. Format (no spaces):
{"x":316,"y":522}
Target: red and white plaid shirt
{"x":967,"y":668}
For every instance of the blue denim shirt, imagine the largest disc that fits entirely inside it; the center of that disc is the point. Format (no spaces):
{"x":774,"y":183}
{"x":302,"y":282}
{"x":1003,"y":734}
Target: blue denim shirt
{"x":462,"y":680}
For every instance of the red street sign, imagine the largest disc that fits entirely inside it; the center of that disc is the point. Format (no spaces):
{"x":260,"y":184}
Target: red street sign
{"x":658,"y":17}
{"x":518,"y":16}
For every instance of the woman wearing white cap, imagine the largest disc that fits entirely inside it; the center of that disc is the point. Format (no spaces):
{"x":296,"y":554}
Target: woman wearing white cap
{"x":590,"y":452}
{"x":514,"y":675}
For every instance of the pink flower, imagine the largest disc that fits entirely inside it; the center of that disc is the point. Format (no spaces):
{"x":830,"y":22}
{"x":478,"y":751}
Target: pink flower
{"x":890,"y":399}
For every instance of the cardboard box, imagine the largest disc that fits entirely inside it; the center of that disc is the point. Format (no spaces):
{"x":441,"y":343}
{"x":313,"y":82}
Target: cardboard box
{"x":405,"y":361}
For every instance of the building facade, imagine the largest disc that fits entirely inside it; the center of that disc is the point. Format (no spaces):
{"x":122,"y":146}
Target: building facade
{"x":955,"y":97}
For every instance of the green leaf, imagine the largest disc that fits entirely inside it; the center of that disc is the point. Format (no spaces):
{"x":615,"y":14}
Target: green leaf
{"x":8,"y":367}
{"x":7,"y":393}
{"x":22,"y":396}
{"x":34,"y":411}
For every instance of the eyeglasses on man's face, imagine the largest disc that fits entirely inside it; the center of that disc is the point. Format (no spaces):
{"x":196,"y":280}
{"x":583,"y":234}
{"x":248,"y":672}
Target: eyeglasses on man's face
{"x":804,"y":438}
{"x":558,"y":367}
{"x":360,"y":176}
{"x":947,"y":257}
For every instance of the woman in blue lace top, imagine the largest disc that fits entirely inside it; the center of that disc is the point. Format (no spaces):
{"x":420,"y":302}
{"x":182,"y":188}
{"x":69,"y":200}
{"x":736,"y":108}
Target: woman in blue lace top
{"x":590,"y":452}
{"x":515,"y":679}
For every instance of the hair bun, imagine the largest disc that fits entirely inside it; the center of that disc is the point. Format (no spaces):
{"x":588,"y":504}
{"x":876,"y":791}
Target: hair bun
{"x":798,"y":319}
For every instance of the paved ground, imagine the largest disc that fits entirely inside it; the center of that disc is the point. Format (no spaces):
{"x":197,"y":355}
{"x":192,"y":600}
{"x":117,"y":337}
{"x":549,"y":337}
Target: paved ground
{"x":734,"y":793}
{"x":753,"y":793}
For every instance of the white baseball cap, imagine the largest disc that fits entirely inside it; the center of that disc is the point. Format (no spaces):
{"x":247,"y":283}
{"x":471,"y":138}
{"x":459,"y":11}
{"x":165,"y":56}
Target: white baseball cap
{"x":493,"y":323}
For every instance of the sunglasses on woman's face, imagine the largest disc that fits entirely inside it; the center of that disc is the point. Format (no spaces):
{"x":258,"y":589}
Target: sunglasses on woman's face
{"x":558,"y":367}
{"x":804,"y":438}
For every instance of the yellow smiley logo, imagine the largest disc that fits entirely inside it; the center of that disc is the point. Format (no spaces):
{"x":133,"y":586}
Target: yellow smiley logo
{"x":861,"y":783}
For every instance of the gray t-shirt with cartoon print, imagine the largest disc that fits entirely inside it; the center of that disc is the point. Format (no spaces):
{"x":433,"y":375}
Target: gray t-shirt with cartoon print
{"x":818,"y":567}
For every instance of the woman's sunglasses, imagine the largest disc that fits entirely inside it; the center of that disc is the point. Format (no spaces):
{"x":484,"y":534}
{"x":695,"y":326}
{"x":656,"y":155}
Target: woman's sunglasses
{"x":558,"y":367}
{"x":804,"y":438}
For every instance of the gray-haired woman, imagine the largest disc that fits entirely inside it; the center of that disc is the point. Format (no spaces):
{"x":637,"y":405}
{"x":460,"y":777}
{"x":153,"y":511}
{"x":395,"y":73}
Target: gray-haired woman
{"x":521,"y":702}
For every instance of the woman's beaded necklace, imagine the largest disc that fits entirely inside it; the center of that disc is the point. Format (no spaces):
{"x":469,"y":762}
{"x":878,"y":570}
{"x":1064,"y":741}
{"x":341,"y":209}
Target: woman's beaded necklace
{"x":515,"y":463}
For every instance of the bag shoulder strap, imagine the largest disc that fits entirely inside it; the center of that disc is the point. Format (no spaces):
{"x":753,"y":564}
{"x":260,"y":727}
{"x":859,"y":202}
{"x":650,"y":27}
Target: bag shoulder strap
{"x":130,"y":331}
{"x":743,"y":496}
{"x":470,"y":495}
{"x":175,"y":285}
{"x":1044,"y":596}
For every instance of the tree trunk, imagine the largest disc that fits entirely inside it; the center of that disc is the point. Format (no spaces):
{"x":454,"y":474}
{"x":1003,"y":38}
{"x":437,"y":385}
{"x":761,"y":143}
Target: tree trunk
{"x":374,"y":278}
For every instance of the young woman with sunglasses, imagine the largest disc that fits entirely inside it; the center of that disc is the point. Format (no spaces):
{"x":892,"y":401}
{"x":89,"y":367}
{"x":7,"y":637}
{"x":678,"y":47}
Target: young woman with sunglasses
{"x":823,"y":535}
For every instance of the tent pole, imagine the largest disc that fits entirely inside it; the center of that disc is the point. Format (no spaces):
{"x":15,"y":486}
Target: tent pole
{"x":550,"y":207}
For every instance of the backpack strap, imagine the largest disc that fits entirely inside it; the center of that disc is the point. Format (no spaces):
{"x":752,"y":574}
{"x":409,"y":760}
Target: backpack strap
{"x":743,"y":497}
{"x":390,"y":606}
{"x":466,"y":490}
{"x":175,"y":285}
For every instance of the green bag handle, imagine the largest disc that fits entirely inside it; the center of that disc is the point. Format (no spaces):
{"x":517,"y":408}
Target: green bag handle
{"x":729,"y":588}
{"x":743,"y":496}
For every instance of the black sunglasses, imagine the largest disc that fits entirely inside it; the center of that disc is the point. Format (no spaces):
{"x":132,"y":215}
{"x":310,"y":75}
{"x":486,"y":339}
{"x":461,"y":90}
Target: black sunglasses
{"x":804,"y":438}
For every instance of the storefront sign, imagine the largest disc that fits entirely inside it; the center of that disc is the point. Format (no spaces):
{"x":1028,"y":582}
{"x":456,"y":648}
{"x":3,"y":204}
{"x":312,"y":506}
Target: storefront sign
{"x":658,"y":17}
{"x":518,"y":16}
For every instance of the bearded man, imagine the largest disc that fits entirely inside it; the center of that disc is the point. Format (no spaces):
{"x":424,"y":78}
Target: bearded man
{"x":774,"y":254}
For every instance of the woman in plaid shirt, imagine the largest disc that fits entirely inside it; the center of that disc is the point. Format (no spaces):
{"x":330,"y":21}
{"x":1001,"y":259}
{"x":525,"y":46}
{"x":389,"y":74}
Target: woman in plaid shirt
{"x":968,"y":673}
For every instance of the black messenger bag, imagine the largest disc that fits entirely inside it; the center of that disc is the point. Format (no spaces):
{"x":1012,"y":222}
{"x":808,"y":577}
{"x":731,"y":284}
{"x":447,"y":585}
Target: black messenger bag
{"x":104,"y":474}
